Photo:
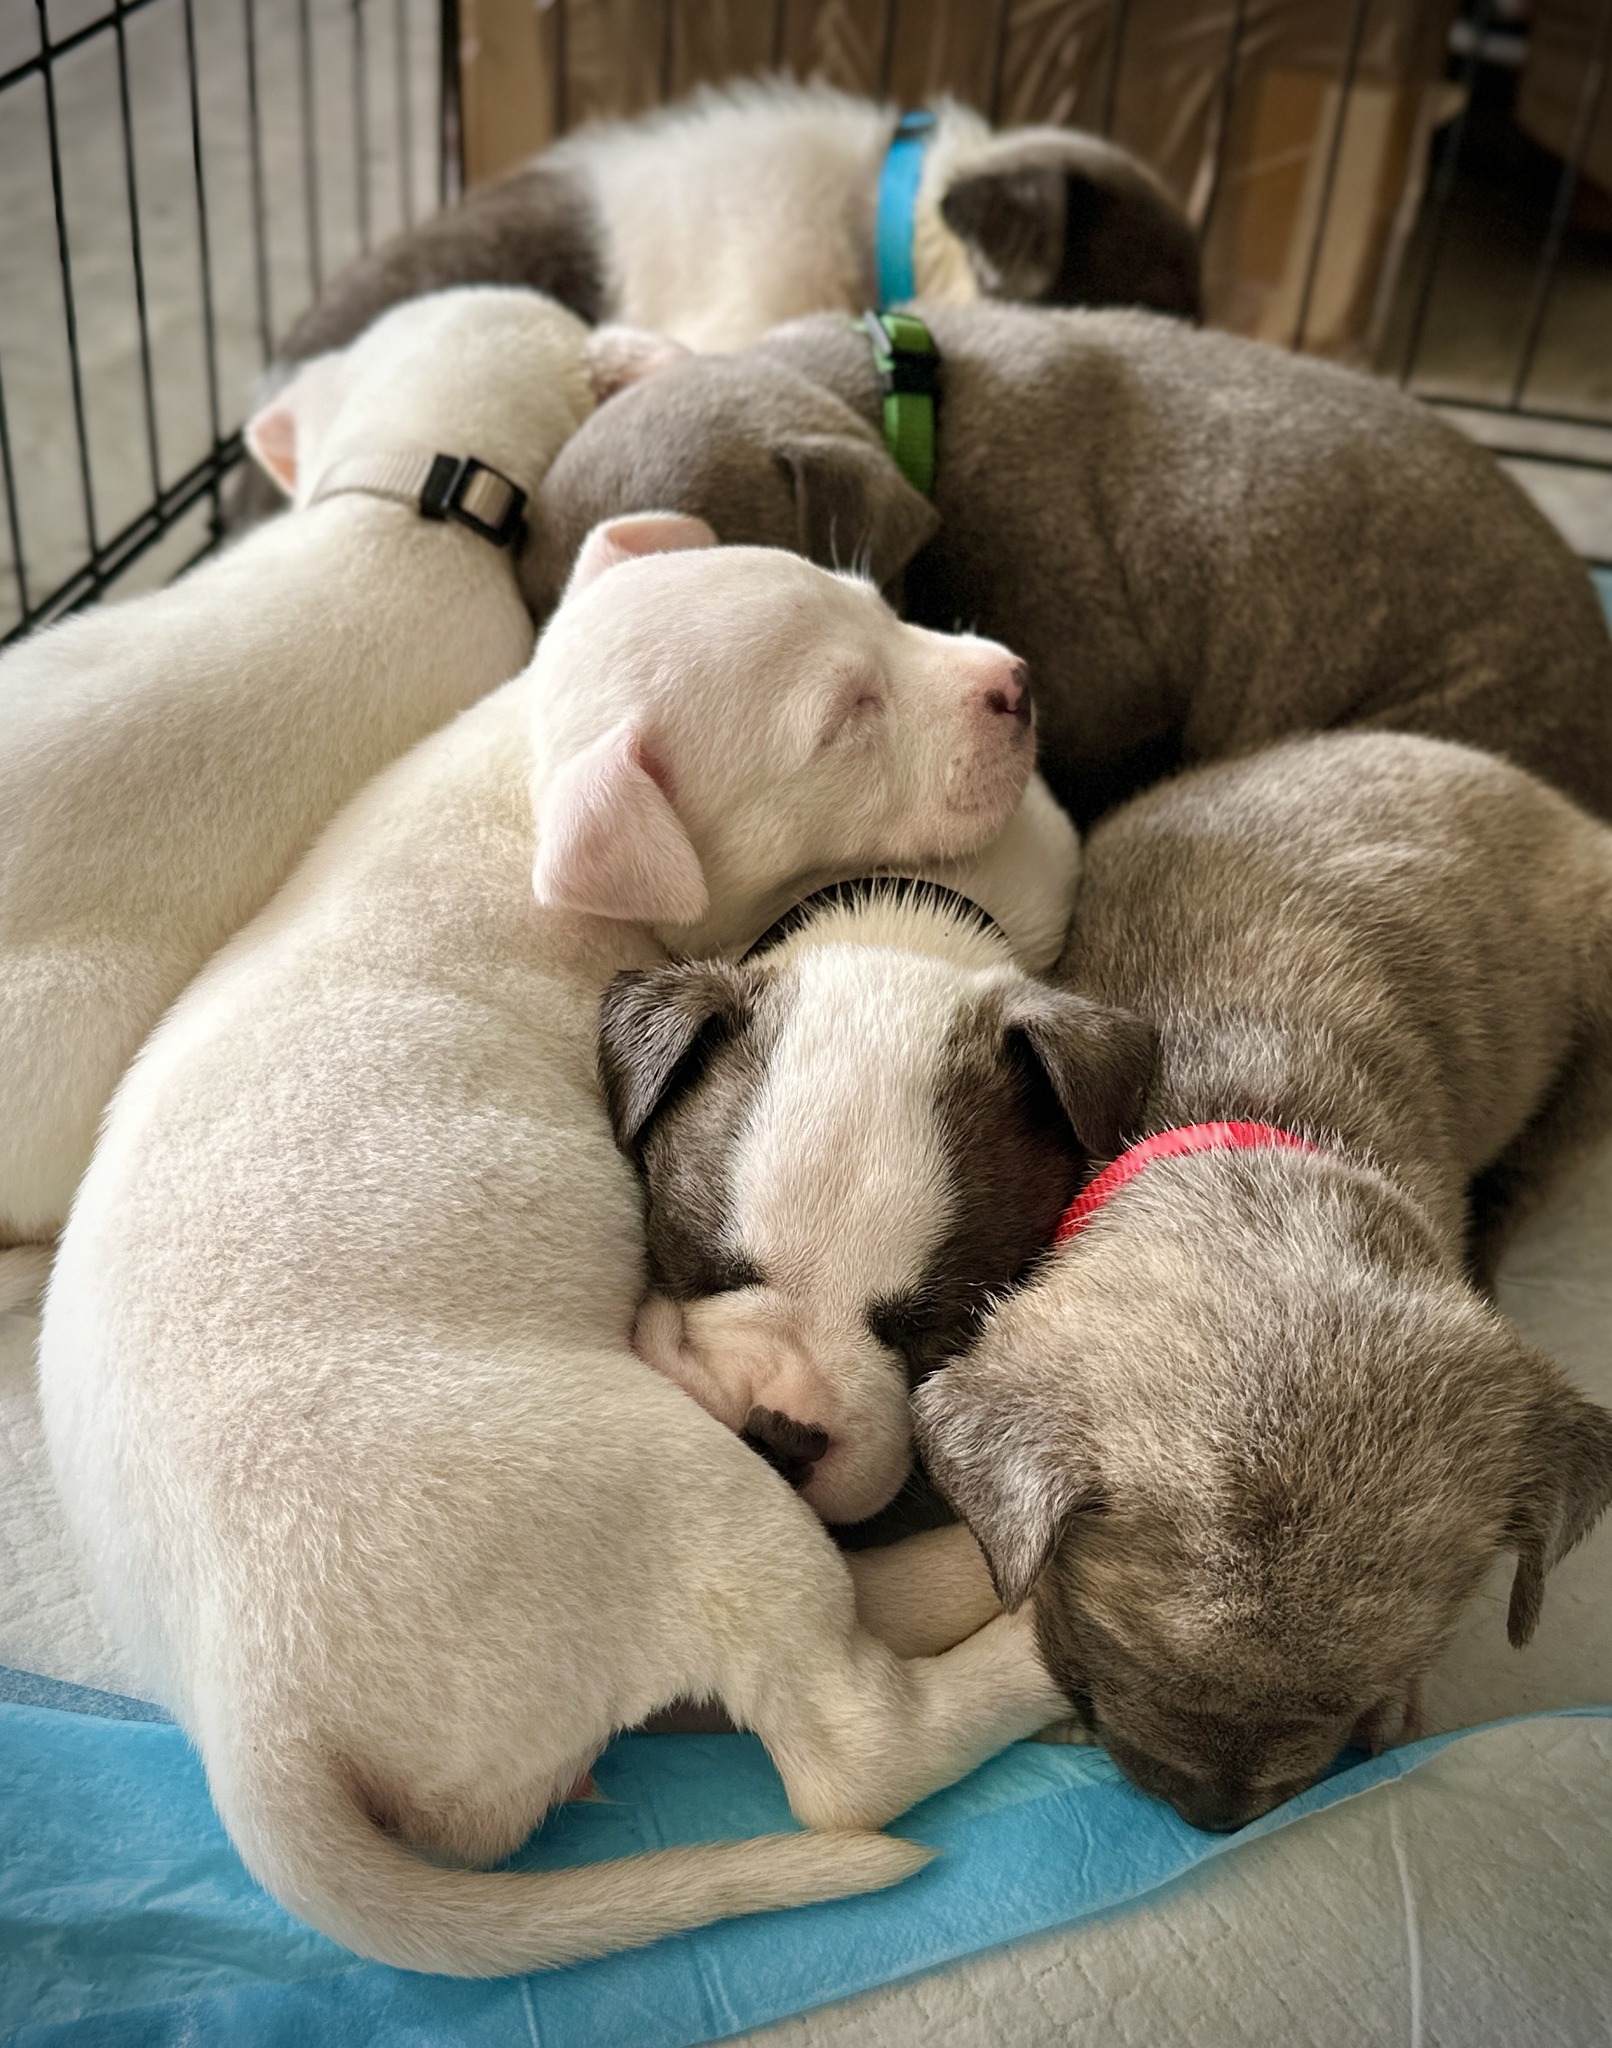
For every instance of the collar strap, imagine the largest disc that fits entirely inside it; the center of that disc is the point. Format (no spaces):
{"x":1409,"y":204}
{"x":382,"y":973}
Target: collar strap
{"x":894,"y":890}
{"x":1176,"y":1144}
{"x":899,"y":179}
{"x":457,"y":487}
{"x":908,"y":363}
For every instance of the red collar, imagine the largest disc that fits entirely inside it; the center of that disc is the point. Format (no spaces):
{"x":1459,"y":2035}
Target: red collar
{"x":1222,"y":1137}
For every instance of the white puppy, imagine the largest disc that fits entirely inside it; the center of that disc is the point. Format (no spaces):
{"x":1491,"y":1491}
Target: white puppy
{"x":851,"y":1140}
{"x":165,"y":762}
{"x":335,"y":1365}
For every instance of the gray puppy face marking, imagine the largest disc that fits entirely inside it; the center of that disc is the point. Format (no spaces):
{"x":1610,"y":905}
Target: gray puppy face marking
{"x":1250,"y":1488}
{"x":847,"y":1159}
{"x":1060,"y":219}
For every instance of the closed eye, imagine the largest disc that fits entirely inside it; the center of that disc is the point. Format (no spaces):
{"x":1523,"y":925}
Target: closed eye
{"x":853,"y":711}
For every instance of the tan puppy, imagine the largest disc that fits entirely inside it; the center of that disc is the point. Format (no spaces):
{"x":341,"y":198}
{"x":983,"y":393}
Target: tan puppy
{"x":1252,"y":1438}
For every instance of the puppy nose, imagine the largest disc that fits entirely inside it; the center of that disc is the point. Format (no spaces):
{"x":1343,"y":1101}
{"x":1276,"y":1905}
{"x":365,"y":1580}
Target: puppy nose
{"x":1218,"y":1810}
{"x":1010,"y":697}
{"x":791,"y":1448}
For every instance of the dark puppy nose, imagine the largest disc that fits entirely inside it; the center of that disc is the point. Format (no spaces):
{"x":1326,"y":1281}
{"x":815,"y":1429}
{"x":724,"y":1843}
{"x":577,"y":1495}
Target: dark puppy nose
{"x":789,"y":1447}
{"x":1219,"y":1809}
{"x":1012,"y":698}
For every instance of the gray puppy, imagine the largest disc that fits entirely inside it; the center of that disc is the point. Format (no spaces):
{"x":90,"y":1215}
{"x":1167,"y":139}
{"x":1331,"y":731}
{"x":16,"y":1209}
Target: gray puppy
{"x":1251,"y":1439}
{"x":1199,"y":544}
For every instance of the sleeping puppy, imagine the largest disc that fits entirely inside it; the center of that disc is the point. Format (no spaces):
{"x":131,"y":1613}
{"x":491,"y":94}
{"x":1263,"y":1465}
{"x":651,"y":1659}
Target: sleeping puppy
{"x":849,"y":1140}
{"x":164,"y":762}
{"x":334,"y":1365}
{"x":1199,"y":544}
{"x":716,"y":218}
{"x":1250,"y":1438}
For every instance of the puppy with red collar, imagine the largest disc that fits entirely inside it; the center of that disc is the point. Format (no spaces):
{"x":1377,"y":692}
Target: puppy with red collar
{"x":1251,"y":1437}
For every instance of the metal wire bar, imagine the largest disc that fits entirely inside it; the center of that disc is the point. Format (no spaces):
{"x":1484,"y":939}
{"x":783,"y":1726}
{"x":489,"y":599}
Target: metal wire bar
{"x":1116,"y":47}
{"x":405,"y":107}
{"x":1589,"y":108}
{"x":1357,"y":23}
{"x":310,"y":148}
{"x":999,"y":36}
{"x":887,"y":46}
{"x":254,"y":160}
{"x":666,"y":67}
{"x":48,"y":51}
{"x":142,"y":315}
{"x":360,"y":122}
{"x":450,"y":107}
{"x":1543,"y":414}
{"x":562,"y":68}
{"x":1222,"y":114}
{"x":1443,"y":186}
{"x":203,"y":247}
{"x":64,"y":258}
{"x":13,"y":521}
{"x":125,"y":547}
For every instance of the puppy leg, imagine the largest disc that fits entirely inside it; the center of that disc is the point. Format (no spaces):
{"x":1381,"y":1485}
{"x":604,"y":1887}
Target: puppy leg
{"x":921,"y":1596}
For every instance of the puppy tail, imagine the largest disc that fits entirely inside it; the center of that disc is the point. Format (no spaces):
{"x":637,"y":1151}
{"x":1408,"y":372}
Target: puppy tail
{"x":24,"y":1269}
{"x":305,"y":1837}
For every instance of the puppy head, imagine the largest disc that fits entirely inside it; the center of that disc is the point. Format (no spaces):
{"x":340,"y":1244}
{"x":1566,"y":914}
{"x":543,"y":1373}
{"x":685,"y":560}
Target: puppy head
{"x":1060,"y":218}
{"x":486,"y":370}
{"x":764,"y":455}
{"x":717,"y":725}
{"x":848,"y":1147}
{"x":1251,"y":1466}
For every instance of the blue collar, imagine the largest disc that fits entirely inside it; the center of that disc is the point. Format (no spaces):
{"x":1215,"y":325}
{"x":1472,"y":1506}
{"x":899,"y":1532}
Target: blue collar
{"x":898,"y":202}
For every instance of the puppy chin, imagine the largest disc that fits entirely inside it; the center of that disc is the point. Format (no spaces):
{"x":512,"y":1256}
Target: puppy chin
{"x":983,"y":796}
{"x":846,"y":1488}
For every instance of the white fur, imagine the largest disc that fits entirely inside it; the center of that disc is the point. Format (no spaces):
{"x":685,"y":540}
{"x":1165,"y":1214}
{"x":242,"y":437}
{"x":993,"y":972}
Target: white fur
{"x":334,"y":1363}
{"x":164,"y":762}
{"x":755,"y":204}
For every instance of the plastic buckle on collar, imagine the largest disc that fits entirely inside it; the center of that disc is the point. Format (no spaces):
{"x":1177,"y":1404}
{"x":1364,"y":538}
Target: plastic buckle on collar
{"x":477,"y":496}
{"x":908,"y":363}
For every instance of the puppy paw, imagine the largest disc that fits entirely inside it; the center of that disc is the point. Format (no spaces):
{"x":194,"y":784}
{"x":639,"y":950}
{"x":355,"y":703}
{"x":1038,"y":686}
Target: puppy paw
{"x":1072,"y":1730}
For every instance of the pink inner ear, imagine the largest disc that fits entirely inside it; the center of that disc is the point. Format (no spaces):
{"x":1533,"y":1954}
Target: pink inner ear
{"x":641,"y":533}
{"x":619,"y":356}
{"x":271,"y":435}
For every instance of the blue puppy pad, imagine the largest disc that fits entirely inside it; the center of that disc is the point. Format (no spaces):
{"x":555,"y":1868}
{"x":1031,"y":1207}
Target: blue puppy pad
{"x":126,"y":1918}
{"x":1603,"y":583}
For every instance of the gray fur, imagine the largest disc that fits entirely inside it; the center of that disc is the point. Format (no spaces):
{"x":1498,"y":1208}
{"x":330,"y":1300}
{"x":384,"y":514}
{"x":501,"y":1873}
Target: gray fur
{"x":1253,"y":1438}
{"x":1199,"y":544}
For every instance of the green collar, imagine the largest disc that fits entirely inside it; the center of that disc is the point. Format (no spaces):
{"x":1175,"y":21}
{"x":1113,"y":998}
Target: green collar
{"x":908,"y":363}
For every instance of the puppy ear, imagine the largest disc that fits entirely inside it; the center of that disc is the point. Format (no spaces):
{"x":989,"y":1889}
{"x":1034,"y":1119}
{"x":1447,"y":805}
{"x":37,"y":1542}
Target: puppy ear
{"x":614,"y":541}
{"x":1567,"y":1489}
{"x":1012,"y":221}
{"x":619,"y":356}
{"x":1012,"y":1477}
{"x":609,"y":841}
{"x":852,"y":505}
{"x":1098,"y":1061}
{"x":652,"y":1023}
{"x":277,"y":434}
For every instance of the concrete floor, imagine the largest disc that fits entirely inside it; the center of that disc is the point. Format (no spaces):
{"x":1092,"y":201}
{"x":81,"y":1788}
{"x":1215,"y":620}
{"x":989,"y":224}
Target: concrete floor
{"x":33,"y":353}
{"x":1468,"y":347}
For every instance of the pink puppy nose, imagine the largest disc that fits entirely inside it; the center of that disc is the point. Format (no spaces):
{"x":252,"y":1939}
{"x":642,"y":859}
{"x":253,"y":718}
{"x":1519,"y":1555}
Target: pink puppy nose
{"x":1011,"y":696}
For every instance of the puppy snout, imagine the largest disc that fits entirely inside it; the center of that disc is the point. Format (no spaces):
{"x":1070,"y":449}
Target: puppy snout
{"x":791,"y":1448}
{"x":1009,"y":695}
{"x":1220,"y":1809}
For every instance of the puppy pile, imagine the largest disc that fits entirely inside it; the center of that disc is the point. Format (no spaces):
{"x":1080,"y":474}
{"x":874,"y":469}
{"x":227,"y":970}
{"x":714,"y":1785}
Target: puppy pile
{"x":522,"y":1139}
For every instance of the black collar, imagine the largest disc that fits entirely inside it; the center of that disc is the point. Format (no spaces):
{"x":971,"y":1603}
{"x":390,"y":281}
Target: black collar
{"x":900,"y":891}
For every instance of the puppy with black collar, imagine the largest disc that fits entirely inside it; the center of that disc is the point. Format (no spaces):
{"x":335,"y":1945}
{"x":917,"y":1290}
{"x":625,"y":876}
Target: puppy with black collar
{"x":334,"y":1367}
{"x":164,"y":762}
